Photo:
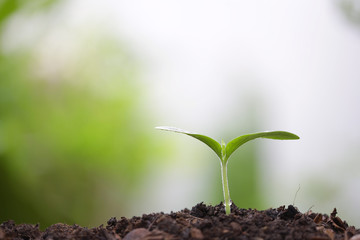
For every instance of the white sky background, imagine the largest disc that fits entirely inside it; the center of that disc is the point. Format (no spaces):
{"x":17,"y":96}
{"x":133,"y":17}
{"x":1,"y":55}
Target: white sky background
{"x":203,"y":60}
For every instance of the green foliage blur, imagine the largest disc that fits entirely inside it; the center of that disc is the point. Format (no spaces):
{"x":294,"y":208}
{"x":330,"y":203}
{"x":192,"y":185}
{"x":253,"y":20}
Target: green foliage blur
{"x":74,"y":139}
{"x":351,"y":11}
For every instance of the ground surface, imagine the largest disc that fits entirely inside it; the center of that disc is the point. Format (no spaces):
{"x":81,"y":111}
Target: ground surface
{"x":201,"y":222}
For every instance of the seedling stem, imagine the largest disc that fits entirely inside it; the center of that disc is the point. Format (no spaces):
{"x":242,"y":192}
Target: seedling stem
{"x":225,"y":187}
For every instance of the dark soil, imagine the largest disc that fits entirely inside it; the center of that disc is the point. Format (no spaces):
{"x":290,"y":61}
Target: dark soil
{"x":201,"y":222}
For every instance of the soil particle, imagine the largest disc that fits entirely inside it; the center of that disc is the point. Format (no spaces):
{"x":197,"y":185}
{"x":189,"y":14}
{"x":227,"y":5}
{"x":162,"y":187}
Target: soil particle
{"x":201,"y":222}
{"x":196,"y":233}
{"x":356,"y":237}
{"x":137,"y":234}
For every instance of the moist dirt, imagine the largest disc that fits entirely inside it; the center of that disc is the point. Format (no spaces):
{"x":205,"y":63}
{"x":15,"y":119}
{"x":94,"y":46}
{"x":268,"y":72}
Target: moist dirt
{"x":201,"y":222}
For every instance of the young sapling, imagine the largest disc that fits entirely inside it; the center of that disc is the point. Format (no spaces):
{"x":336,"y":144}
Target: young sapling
{"x":224,"y":151}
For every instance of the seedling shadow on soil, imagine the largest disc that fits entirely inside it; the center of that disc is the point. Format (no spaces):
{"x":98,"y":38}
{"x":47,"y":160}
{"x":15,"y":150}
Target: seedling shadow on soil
{"x":201,"y":222}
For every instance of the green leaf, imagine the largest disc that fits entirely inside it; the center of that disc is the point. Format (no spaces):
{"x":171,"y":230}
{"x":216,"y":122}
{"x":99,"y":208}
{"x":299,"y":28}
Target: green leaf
{"x":214,"y":145}
{"x":237,"y":142}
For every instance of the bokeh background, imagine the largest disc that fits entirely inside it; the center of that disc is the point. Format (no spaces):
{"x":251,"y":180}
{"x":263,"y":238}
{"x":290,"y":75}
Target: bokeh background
{"x":83,"y":83}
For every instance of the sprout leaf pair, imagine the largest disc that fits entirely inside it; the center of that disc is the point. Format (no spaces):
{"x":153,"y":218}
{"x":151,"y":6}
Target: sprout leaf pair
{"x":224,"y":151}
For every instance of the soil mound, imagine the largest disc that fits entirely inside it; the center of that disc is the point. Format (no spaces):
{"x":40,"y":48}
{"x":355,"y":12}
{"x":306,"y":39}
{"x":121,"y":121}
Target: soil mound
{"x":201,"y":222}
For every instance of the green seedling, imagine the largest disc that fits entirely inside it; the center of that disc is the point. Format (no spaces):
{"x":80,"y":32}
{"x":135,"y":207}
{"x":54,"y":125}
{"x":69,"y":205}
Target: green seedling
{"x":224,"y":151}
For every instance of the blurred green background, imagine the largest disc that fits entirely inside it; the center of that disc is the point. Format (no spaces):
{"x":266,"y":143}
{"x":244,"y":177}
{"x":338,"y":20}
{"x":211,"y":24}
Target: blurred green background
{"x":77,"y":138}
{"x":74,"y":143}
